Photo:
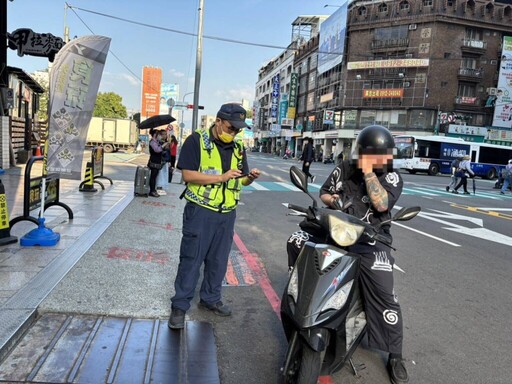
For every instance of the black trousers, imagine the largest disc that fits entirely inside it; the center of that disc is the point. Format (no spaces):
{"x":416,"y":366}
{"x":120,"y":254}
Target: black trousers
{"x":383,"y":313}
{"x":152,"y":179}
{"x":305,"y":169}
{"x":464,"y":183}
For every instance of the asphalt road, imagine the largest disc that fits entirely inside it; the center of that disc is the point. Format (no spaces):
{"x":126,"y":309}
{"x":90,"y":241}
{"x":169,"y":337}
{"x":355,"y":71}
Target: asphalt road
{"x":455,"y":292}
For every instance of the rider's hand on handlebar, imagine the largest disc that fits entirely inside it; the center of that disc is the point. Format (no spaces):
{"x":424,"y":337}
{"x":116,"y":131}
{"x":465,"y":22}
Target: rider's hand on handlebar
{"x":333,"y":203}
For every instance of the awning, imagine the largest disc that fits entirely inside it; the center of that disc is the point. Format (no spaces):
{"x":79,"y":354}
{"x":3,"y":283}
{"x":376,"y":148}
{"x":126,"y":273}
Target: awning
{"x":26,"y":78}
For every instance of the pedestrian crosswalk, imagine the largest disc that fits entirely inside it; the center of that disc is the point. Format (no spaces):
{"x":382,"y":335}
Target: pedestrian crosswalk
{"x":274,"y":186}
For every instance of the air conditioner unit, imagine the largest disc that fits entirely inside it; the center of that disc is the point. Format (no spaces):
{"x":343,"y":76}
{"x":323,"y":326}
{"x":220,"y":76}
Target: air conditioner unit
{"x":412,"y":27}
{"x":407,"y":84}
{"x":408,"y":55}
{"x":492,"y":91}
{"x":494,"y":62}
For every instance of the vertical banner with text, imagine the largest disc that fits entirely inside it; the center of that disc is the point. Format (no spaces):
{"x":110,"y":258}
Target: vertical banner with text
{"x":74,"y":82}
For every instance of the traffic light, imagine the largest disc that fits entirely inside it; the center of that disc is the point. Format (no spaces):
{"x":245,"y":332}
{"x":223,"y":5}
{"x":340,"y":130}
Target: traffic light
{"x":191,"y":106}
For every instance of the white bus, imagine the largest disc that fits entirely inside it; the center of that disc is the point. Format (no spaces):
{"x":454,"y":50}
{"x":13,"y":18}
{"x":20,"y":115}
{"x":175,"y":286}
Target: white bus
{"x":433,"y":155}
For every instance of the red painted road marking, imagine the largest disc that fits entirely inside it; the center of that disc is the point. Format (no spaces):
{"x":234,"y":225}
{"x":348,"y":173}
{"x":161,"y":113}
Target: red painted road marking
{"x":258,"y":269}
{"x":157,"y":204}
{"x":167,"y":226}
{"x":255,"y":264}
{"x":137,"y":255}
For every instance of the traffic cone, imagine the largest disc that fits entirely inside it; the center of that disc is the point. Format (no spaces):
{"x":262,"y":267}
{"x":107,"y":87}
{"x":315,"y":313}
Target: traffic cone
{"x":38,"y":150}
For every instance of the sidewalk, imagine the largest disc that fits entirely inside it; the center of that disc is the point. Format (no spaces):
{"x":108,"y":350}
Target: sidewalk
{"x":117,"y":258}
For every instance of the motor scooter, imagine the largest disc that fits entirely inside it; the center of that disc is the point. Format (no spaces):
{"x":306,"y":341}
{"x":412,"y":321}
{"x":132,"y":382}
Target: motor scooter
{"x":322,"y":309}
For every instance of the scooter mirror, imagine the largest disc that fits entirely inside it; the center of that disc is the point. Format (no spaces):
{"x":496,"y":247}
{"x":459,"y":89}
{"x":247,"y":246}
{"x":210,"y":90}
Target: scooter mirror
{"x":299,"y":178}
{"x":406,"y":213}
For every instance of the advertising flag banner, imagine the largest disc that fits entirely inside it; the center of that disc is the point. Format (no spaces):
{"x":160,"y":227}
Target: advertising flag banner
{"x":74,"y":82}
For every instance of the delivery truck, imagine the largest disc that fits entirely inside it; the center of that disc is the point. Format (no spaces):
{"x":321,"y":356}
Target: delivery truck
{"x":112,"y":134}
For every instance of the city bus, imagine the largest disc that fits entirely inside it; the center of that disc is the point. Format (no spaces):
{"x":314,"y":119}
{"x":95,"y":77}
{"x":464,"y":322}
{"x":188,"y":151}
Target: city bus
{"x":434,"y":154}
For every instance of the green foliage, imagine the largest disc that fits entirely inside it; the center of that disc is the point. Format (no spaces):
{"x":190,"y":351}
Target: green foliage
{"x":110,"y":104}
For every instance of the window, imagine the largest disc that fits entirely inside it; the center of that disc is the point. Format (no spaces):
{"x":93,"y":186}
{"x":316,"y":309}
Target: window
{"x":473,"y":34}
{"x":390,"y":33}
{"x":383,"y":8}
{"x":468,"y":63}
{"x":466,"y":90}
{"x":362,"y":11}
{"x":404,"y":6}
{"x":447,"y":55}
{"x":428,"y":3}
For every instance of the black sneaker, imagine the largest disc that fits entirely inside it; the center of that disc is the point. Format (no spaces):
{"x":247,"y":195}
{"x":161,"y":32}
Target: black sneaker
{"x":313,"y":179}
{"x":154,"y":194}
{"x":447,"y":189}
{"x":397,"y":372}
{"x":177,"y":319}
{"x":218,"y":308}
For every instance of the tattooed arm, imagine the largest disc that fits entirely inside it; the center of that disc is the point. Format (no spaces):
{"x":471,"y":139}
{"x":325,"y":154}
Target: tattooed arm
{"x":376,"y":192}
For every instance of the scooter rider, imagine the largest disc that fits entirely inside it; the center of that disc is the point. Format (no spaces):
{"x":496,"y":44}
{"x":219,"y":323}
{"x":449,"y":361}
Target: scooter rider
{"x":371,"y":186}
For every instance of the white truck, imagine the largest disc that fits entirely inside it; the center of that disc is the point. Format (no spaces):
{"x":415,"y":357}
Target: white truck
{"x":112,"y":134}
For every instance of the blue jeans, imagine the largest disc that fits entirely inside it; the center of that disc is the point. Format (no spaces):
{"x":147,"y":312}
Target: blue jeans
{"x":506,"y":183}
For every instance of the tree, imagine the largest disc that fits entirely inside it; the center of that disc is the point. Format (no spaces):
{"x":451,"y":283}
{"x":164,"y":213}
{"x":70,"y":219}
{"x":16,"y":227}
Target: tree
{"x":110,"y":104}
{"x":43,"y":79}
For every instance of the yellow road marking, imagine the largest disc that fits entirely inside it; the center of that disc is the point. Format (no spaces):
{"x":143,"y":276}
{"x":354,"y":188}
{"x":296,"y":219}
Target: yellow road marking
{"x":488,"y":213}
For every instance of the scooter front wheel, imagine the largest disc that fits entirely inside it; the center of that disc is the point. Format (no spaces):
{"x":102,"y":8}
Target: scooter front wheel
{"x":305,"y":367}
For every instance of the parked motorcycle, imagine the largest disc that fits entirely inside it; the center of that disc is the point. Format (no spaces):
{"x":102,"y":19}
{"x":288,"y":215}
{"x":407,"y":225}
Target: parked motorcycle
{"x":322,"y":309}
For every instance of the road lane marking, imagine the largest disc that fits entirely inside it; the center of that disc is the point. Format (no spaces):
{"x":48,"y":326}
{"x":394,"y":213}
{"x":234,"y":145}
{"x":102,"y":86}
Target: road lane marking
{"x":486,"y":211}
{"x":289,"y":186}
{"x":258,"y":186}
{"x":427,"y":234}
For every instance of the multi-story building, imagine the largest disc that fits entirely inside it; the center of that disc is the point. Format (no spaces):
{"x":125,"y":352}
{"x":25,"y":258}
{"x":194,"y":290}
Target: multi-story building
{"x":274,"y":129}
{"x":413,"y":66}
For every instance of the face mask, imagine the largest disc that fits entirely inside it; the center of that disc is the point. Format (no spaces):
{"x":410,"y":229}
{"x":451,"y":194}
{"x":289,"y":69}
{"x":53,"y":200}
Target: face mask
{"x":226,"y":137}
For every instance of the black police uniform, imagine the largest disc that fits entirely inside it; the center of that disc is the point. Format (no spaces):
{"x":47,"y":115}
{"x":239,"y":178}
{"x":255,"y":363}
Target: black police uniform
{"x":384,"y":317}
{"x":207,"y":234}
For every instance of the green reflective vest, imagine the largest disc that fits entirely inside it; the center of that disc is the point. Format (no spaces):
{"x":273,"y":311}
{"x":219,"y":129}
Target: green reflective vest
{"x":221,"y":197}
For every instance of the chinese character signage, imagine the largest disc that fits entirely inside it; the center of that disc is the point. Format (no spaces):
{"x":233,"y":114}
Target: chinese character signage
{"x":27,"y":42}
{"x":393,"y":63}
{"x":283,"y":107}
{"x":74,"y":81}
{"x":151,"y":82}
{"x":292,"y":100}
{"x":275,"y":97}
{"x":503,"y":102}
{"x":383,"y":93}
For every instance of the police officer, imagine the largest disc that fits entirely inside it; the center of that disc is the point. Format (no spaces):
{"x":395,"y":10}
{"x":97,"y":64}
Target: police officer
{"x":214,"y":166}
{"x":372,"y":187}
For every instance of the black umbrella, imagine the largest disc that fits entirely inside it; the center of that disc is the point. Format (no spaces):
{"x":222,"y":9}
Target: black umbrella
{"x":156,"y":121}
{"x":474,"y":186}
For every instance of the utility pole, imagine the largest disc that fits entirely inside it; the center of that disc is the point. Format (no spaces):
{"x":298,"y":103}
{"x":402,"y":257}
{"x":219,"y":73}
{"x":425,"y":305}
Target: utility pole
{"x":66,"y":28}
{"x":4,"y":78}
{"x":198,"y":66}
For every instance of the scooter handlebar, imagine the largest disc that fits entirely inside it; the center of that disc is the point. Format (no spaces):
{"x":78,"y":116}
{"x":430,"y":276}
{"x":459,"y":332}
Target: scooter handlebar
{"x":296,"y":208}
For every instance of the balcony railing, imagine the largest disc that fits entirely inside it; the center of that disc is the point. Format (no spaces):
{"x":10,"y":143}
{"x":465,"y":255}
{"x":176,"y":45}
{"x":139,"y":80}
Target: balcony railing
{"x":390,"y":43}
{"x":467,"y":100}
{"x":470,"y":72}
{"x":479,"y":44}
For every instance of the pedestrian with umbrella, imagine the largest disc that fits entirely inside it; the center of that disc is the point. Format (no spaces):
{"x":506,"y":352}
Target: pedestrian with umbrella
{"x":155,"y":147}
{"x":465,"y":172}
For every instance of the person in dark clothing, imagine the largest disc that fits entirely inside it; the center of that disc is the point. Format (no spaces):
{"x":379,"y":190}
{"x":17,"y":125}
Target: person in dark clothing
{"x":370,"y":183}
{"x":214,"y":166}
{"x":155,"y":159}
{"x":307,"y":158}
{"x":454,"y":166}
{"x":173,"y":150}
{"x":464,"y":172}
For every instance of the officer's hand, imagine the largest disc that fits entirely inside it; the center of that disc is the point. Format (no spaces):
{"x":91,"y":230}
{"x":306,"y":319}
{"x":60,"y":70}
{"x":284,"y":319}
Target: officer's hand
{"x":254,"y":174}
{"x":231,"y":174}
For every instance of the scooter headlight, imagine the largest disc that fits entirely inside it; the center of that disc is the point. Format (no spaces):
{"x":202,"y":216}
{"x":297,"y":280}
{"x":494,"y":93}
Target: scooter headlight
{"x":293,"y":285}
{"x":343,"y":233}
{"x":339,"y":299}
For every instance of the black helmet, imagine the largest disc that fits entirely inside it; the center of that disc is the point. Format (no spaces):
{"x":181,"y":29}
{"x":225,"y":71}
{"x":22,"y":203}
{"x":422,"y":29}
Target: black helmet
{"x":374,"y":139}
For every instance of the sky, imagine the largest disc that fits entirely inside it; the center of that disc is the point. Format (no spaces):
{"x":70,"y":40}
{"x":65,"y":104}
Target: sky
{"x":228,"y":71}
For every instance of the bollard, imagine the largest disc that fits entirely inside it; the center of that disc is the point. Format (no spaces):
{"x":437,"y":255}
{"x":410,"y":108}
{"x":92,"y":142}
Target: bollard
{"x":5,"y":229}
{"x":88,"y":184}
